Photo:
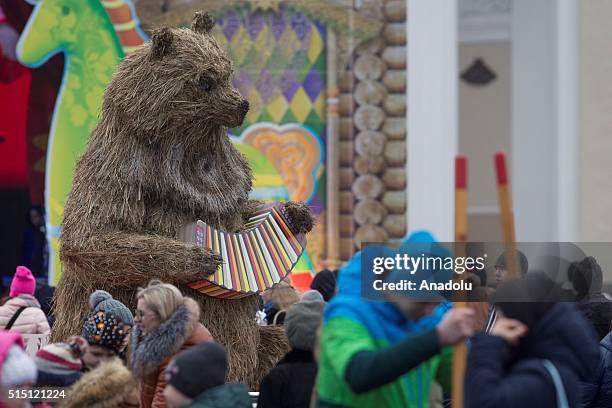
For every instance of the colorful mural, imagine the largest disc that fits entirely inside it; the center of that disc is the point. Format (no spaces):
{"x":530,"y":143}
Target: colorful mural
{"x":84,"y":32}
{"x":280,"y":62}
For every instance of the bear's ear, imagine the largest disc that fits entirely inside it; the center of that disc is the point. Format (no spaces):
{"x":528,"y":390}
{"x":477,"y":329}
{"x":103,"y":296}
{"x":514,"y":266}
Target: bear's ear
{"x":162,"y":42}
{"x":202,"y":22}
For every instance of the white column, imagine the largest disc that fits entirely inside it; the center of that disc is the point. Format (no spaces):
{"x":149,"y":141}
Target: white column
{"x":544,"y":119}
{"x":432,"y":115}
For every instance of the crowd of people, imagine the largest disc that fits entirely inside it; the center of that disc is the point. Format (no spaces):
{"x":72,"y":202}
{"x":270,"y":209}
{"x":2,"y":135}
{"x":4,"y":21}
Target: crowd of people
{"x":345,"y":351}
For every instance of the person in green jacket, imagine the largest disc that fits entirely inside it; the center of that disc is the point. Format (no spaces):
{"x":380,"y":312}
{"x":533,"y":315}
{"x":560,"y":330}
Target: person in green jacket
{"x":195,"y":378}
{"x":385,"y":354}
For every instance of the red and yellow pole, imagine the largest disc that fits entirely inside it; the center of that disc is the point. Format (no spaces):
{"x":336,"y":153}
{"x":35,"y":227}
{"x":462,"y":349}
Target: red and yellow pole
{"x":506,"y":214}
{"x":461,"y":231}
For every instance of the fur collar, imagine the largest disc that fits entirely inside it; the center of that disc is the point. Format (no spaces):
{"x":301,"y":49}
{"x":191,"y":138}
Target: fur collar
{"x":148,"y":352}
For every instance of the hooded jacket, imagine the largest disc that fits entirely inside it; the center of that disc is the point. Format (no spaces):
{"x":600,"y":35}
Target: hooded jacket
{"x":587,"y":278}
{"x":353,"y":326}
{"x":110,"y":385}
{"x":597,"y":393}
{"x":31,"y":321}
{"x":152,"y":353}
{"x":498,"y":378}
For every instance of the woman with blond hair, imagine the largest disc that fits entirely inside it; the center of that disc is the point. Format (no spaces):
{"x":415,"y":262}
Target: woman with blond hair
{"x":281,"y":297}
{"x":166,"y":323}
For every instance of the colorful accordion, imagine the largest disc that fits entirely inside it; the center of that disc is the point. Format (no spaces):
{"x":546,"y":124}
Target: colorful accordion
{"x":257,"y":258}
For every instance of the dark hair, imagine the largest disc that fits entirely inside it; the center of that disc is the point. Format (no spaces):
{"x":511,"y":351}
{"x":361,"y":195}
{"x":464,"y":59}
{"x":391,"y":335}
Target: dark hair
{"x":502,"y":261}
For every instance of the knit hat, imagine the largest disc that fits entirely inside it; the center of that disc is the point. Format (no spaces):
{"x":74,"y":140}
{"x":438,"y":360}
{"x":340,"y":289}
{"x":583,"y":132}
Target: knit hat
{"x":105,"y":324}
{"x":23,"y":282}
{"x":59,"y":364}
{"x":185,"y":371}
{"x":325,"y":283}
{"x":312,"y":295}
{"x":18,"y":368}
{"x":302,"y":322}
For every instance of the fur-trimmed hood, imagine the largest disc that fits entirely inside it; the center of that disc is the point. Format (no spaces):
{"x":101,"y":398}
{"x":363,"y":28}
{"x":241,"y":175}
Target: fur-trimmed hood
{"x":109,"y":385}
{"x":151,"y":350}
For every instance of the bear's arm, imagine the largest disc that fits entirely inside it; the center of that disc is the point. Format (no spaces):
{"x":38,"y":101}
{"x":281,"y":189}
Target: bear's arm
{"x":300,"y":219}
{"x":130,"y":259}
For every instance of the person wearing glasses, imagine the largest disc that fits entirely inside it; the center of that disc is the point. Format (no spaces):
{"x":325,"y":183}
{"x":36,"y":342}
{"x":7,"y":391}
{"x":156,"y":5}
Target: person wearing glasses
{"x":166,"y":324}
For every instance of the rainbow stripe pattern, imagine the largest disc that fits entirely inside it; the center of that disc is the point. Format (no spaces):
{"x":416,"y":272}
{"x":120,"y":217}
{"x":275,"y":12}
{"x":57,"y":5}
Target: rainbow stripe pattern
{"x":257,"y":258}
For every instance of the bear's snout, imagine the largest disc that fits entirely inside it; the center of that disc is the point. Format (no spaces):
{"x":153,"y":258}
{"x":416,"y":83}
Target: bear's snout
{"x":244,"y":106}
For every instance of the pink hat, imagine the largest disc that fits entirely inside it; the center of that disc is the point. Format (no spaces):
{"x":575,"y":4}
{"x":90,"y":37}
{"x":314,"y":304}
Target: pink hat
{"x":23,"y":282}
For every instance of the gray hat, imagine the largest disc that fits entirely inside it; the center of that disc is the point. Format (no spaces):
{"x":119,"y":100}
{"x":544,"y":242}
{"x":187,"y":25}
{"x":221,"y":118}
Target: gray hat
{"x":312,"y":295}
{"x":101,"y":300}
{"x":302,"y":322}
{"x":105,"y":324}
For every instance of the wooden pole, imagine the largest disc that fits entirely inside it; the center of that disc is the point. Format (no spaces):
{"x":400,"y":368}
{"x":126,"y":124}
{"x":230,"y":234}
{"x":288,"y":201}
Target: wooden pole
{"x":506,"y":214}
{"x":461,"y":230}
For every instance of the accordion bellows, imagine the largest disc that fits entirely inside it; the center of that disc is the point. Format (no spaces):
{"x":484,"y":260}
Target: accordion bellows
{"x":255,"y":259}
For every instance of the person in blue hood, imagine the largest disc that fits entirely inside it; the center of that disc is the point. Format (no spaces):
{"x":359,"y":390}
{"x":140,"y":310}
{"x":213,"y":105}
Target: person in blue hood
{"x":385,"y":353}
{"x":537,"y":354}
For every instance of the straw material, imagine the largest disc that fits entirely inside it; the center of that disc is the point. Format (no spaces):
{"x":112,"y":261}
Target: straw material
{"x":160,"y":158}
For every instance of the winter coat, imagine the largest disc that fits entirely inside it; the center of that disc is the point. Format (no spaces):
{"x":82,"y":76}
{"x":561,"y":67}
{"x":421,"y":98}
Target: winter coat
{"x":152,"y":353}
{"x":290,"y":383}
{"x":502,"y":378}
{"x":597,"y":393}
{"x":31,"y":321}
{"x":223,"y":396}
{"x":110,"y":385}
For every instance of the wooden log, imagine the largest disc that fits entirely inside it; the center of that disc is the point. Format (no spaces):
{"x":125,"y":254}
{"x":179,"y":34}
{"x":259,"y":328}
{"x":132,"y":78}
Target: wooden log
{"x":370,"y":233}
{"x":395,"y":105}
{"x":347,"y":153}
{"x":395,"y":225}
{"x":346,"y":82}
{"x":370,"y":143}
{"x":346,"y":177}
{"x":395,"y":153}
{"x":346,"y":104}
{"x":369,"y":117}
{"x":367,"y":186}
{"x":369,"y":164}
{"x":395,"y":201}
{"x":347,"y":248}
{"x":395,"y":57}
{"x":369,"y":92}
{"x":395,"y":33}
{"x":369,"y":66}
{"x":394,"y":178}
{"x":395,"y":10}
{"x":346,"y":202}
{"x":372,"y":46}
{"x":395,"y":128}
{"x":346,"y":129}
{"x":395,"y":80}
{"x":369,"y":211}
{"x":347,"y":225}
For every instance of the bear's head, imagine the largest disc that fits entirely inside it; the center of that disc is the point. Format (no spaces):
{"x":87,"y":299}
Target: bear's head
{"x":177,"y":85}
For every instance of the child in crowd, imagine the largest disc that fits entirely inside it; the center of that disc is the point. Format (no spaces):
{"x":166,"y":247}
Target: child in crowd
{"x":107,"y":329}
{"x":16,"y":368}
{"x":196,"y":379}
{"x":59,"y":364}
{"x":290,"y":383}
{"x":536,"y":355}
{"x":22,"y":312}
